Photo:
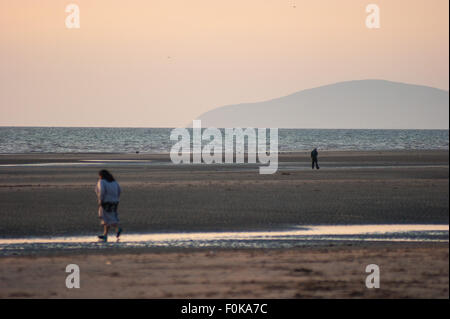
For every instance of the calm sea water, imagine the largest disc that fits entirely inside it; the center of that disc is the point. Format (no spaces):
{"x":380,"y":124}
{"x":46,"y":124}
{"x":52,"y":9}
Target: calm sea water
{"x":156,"y":140}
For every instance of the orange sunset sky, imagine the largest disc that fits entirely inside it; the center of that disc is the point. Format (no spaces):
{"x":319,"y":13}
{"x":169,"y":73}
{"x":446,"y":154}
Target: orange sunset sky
{"x":155,"y":63}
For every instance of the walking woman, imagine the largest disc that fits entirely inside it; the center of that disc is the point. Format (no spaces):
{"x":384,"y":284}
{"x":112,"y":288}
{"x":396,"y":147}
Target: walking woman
{"x":108,"y":196}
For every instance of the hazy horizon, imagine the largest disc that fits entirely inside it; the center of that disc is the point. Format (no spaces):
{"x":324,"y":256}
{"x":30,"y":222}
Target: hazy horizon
{"x":363,"y":104}
{"x":163,"y":64}
{"x":256,"y":102}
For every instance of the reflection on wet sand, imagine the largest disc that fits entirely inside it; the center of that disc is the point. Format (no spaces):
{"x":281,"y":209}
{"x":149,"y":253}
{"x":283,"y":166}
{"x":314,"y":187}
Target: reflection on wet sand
{"x":296,"y":236}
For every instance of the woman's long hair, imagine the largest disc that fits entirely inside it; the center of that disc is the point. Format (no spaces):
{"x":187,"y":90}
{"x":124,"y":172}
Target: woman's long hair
{"x":104,"y":174}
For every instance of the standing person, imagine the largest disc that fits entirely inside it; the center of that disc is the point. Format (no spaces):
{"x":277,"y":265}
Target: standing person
{"x":314,"y":155}
{"x":108,"y":195}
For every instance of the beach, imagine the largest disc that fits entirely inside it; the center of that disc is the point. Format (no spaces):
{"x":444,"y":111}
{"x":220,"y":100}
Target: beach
{"x":406,"y":271}
{"x":350,"y":188}
{"x":48,"y":195}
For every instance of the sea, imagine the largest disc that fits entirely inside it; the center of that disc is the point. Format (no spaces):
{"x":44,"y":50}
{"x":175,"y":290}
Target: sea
{"x":16,"y":140}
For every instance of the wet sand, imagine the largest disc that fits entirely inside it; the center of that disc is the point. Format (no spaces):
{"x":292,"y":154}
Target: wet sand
{"x":350,"y":188}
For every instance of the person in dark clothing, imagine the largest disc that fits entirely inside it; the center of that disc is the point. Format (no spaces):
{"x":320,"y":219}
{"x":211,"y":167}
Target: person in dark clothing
{"x":314,"y":155}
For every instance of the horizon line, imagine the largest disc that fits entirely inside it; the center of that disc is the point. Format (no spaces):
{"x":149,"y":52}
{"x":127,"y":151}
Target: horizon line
{"x":174,"y":127}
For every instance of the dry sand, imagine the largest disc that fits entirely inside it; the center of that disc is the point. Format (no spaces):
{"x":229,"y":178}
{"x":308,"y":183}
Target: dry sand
{"x":406,"y":271}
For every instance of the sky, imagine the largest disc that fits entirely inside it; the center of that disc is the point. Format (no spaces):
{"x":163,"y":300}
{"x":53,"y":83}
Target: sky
{"x":162,"y":63}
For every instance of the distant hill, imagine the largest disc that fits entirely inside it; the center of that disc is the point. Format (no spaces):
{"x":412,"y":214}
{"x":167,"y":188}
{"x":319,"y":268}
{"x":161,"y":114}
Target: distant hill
{"x":374,"y":104}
